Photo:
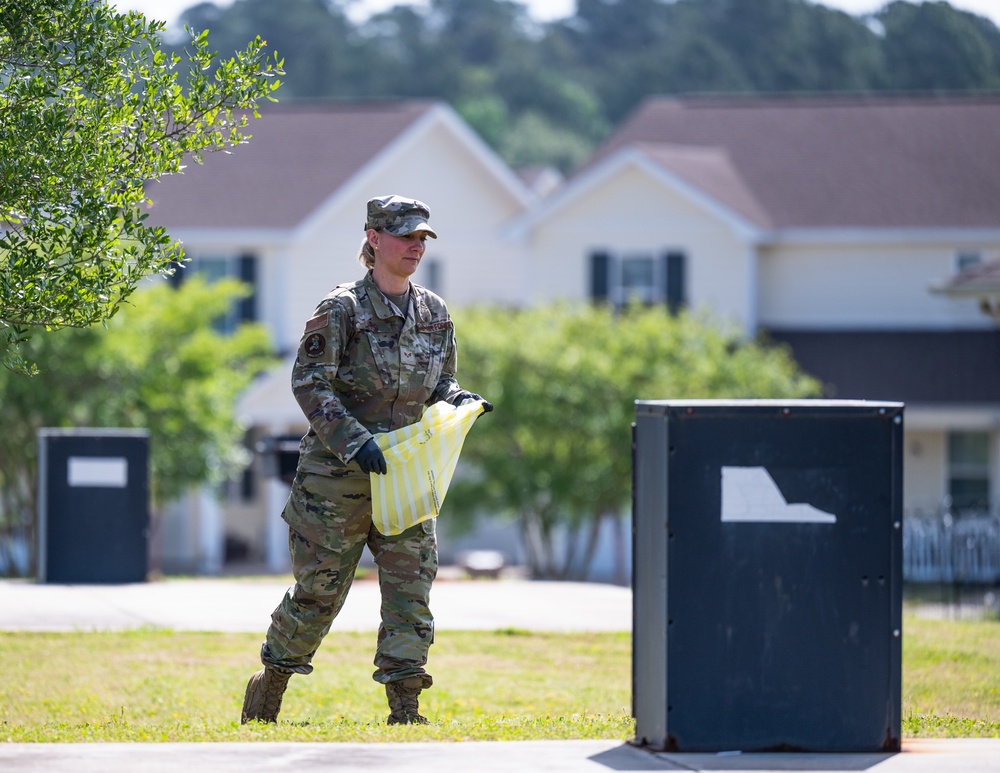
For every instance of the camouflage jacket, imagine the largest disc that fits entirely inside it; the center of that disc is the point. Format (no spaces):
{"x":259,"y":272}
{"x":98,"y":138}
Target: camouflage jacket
{"x":362,"y":368}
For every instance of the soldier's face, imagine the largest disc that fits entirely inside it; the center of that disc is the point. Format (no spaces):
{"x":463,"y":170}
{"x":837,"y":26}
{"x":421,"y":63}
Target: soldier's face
{"x":399,"y":255}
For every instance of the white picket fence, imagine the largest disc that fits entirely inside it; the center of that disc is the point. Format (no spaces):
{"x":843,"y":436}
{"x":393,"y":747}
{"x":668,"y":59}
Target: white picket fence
{"x":946,"y":549}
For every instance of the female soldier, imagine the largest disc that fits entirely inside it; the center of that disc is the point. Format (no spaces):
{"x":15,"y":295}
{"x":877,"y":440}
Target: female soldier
{"x":373,"y":355}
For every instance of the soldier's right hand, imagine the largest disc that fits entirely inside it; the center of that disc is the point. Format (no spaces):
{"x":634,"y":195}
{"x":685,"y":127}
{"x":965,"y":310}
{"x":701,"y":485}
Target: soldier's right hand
{"x":370,"y":458}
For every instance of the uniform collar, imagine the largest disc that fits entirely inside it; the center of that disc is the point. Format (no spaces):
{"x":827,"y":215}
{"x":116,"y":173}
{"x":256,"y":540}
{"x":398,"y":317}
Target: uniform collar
{"x":416,"y":312}
{"x":380,"y":303}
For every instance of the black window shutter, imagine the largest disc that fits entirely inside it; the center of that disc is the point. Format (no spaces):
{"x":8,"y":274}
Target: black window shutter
{"x":600,"y":277}
{"x":247,"y":310}
{"x":674,"y":291}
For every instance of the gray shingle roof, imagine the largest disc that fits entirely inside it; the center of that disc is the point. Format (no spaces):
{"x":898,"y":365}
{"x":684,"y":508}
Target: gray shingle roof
{"x":298,"y":156}
{"x":867,"y":162}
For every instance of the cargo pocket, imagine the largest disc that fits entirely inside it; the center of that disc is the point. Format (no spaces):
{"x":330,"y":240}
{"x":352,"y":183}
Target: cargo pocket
{"x":318,"y":510}
{"x":319,"y":573}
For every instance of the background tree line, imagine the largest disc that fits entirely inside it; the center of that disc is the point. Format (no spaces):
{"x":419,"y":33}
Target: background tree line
{"x":547,"y":93}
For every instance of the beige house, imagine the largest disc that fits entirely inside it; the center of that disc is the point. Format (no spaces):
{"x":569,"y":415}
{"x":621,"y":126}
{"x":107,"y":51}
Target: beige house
{"x":835,"y":225}
{"x":829,"y":224}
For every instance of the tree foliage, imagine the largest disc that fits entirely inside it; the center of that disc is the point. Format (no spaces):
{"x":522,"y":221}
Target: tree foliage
{"x":91,"y":108}
{"x":161,"y":366}
{"x":932,"y":47}
{"x":547,"y":93}
{"x":556,"y":452}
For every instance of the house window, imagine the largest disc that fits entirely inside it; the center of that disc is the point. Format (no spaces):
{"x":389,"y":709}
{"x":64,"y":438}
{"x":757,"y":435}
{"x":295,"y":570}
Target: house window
{"x":215,"y":267}
{"x":638,"y":282}
{"x":969,"y":470}
{"x":643,"y":277}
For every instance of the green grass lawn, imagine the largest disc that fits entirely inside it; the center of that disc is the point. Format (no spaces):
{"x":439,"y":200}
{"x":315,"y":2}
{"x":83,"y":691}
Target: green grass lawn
{"x":167,"y":686}
{"x":951,"y":678}
{"x":154,"y":685}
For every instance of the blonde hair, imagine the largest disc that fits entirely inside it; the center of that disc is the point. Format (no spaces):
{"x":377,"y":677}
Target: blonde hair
{"x":366,"y":256}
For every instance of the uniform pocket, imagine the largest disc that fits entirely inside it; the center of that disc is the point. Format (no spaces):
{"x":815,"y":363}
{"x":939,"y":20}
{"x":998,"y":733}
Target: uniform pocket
{"x":380,"y":358}
{"x":432,"y":353}
{"x":324,"y":509}
{"x":364,"y":368}
{"x":318,"y":569}
{"x":433,"y":370}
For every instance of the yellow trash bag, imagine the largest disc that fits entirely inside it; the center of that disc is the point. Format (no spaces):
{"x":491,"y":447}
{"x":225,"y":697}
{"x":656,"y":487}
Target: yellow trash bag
{"x":421,"y":460}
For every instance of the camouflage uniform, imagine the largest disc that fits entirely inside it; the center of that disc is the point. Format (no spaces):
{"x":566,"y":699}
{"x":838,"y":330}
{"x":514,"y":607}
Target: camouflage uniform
{"x":362,"y":367}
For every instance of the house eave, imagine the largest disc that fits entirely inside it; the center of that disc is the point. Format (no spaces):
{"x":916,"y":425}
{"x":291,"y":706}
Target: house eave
{"x":856,"y":235}
{"x":211,"y":237}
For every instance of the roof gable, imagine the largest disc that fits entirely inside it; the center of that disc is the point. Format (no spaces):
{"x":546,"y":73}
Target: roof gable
{"x":298,"y":156}
{"x":704,"y":176}
{"x":842,"y":162}
{"x":711,"y":171}
{"x":463,"y":147}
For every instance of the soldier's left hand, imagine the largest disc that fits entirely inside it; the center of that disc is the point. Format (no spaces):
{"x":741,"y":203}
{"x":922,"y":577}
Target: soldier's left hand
{"x":370,"y":458}
{"x":464,"y":397}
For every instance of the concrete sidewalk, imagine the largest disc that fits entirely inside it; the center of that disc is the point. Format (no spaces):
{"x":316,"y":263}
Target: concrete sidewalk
{"x":233,"y":605}
{"x":953,"y":756}
{"x":227,"y":604}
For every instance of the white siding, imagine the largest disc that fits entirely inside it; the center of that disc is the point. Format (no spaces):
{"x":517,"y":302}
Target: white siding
{"x":924,"y":470}
{"x":883,"y":286}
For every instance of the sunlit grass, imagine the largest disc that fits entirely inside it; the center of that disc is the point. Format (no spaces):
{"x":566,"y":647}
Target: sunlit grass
{"x":153,"y":685}
{"x":951,"y":678}
{"x":156,"y":685}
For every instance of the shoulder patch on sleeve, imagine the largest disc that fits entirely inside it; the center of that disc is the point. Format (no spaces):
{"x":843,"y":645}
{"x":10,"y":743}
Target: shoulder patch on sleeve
{"x":318,"y":322}
{"x":314,"y":345}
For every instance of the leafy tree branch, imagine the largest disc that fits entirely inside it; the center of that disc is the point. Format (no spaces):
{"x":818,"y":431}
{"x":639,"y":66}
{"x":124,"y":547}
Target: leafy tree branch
{"x":91,"y":109}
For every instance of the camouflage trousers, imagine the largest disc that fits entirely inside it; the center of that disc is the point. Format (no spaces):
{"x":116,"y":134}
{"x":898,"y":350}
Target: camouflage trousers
{"x":330,"y":522}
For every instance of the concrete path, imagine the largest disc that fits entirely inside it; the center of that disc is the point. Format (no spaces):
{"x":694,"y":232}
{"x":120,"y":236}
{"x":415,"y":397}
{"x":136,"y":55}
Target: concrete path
{"x":227,"y":604}
{"x":953,"y":756}
{"x":234,"y":605}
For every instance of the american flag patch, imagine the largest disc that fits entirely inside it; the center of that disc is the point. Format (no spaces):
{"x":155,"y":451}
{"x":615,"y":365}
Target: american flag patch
{"x":318,"y":322}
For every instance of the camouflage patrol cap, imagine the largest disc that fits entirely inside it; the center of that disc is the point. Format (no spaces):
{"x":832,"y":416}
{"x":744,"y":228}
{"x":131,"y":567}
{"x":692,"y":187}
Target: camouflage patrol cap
{"x":398,"y":216}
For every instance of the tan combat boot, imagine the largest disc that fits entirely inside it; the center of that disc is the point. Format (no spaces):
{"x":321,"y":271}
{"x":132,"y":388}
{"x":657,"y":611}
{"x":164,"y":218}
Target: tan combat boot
{"x":263,"y":698}
{"x":403,"y":706}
